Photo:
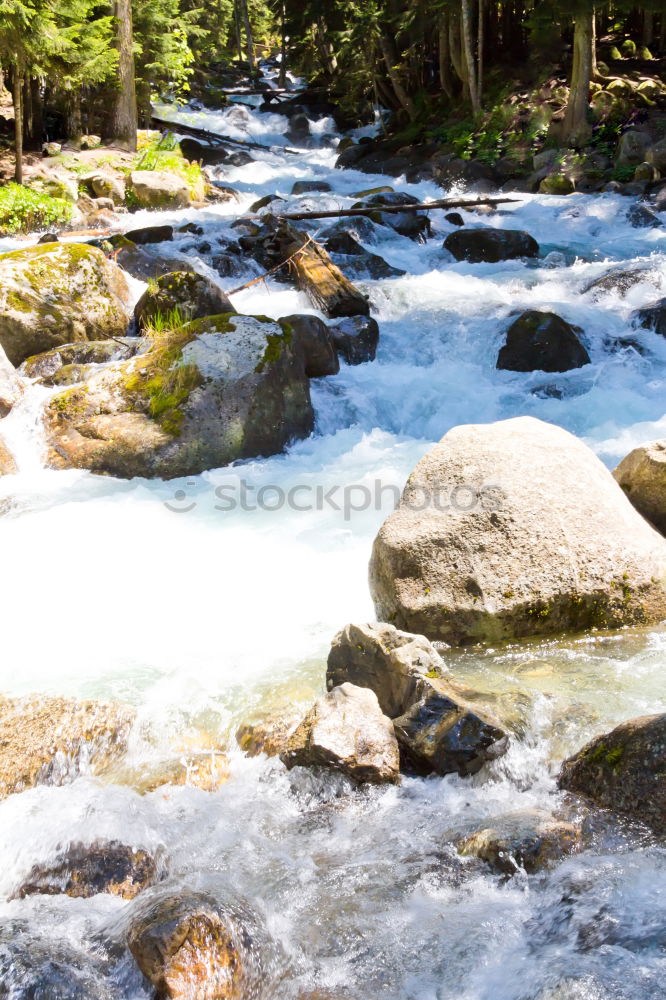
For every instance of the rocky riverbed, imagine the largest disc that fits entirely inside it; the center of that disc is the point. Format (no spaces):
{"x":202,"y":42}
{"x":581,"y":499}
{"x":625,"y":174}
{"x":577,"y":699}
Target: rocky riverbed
{"x":219,"y":776}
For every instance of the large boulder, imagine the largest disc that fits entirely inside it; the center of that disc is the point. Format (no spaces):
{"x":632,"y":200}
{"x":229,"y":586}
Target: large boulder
{"x":50,"y":741}
{"x":157,"y":189}
{"x":624,"y":770}
{"x":515,"y":529}
{"x":11,"y":387}
{"x":59,"y":293}
{"x":656,"y":155}
{"x":203,"y":395}
{"x":188,"y":945}
{"x":316,"y":343}
{"x":441,"y":726}
{"x":490,"y":245}
{"x":542,"y":341}
{"x":529,"y":839}
{"x":346,"y":731}
{"x":106,"y":184}
{"x":85,"y":870}
{"x":642,"y":476}
{"x":183,"y":293}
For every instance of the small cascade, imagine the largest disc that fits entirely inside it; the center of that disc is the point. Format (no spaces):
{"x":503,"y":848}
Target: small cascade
{"x":23,"y":430}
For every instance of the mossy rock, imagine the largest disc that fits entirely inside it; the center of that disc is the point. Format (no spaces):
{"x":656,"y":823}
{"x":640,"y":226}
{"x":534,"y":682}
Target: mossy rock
{"x":186,"y":293}
{"x":556,"y":184}
{"x":629,"y":49}
{"x":59,"y":293}
{"x":203,"y":395}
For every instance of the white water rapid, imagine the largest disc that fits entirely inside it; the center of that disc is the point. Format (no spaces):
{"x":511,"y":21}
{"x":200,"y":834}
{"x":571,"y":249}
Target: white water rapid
{"x":147,"y":592}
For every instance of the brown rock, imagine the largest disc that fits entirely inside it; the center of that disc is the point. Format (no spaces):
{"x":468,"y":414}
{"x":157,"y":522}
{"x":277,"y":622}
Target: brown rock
{"x":85,"y":870}
{"x":269,"y":735}
{"x":7,"y":463}
{"x":50,"y":741}
{"x":346,"y":731}
{"x":530,"y":839}
{"x":189,"y":947}
{"x":642,"y":476}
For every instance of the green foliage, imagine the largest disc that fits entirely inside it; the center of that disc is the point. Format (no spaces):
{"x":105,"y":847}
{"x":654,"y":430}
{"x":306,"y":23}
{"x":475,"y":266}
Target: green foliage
{"x":164,"y":153}
{"x":23,"y":210}
{"x":624,"y":174}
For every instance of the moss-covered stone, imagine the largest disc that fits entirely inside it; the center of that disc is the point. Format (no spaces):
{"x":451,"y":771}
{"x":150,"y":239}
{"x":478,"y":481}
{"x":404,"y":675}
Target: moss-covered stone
{"x":185,"y":293}
{"x":204,"y":394}
{"x":59,"y":293}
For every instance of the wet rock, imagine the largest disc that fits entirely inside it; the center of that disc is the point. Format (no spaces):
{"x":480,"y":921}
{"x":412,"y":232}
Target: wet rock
{"x":414,"y":225}
{"x":441,"y":726}
{"x":144,"y":264}
{"x":264,"y":202}
{"x":97,"y":352}
{"x":311,"y":187}
{"x":362,"y":229}
{"x":188,"y":946}
{"x":346,"y":731}
{"x":239,"y":158}
{"x":654,"y":317}
{"x":50,"y":741}
{"x":191,"y":227}
{"x":360,"y":263}
{"x":200,"y":152}
{"x":157,"y":189}
{"x":356,"y":339}
{"x":59,"y":293}
{"x":203,"y":395}
{"x":7,"y":462}
{"x":85,"y":870}
{"x":150,"y":234}
{"x":43,"y":968}
{"x":656,"y":155}
{"x":642,"y":476}
{"x":642,"y":217}
{"x":515,"y":529}
{"x":528,"y":839}
{"x":185,"y":293}
{"x":454,"y":219}
{"x":490,"y":245}
{"x":624,"y":770}
{"x":11,"y":387}
{"x":620,"y":280}
{"x":299,"y":129}
{"x":557,"y":184}
{"x":269,"y":735}
{"x":227,"y":265}
{"x":316,"y":343}
{"x":542,"y":341}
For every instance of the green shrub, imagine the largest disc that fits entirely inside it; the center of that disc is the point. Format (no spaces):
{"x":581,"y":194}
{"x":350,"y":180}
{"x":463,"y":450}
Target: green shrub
{"x":164,"y":153}
{"x":23,"y":210}
{"x":624,"y":174}
{"x":629,"y":48}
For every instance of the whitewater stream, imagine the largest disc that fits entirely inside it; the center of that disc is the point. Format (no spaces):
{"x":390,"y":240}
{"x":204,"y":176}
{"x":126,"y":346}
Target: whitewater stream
{"x":159,"y":595}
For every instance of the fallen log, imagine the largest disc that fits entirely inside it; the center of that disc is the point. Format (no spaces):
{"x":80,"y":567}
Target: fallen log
{"x":339,"y":213}
{"x":314,"y":271}
{"x":216,"y":138}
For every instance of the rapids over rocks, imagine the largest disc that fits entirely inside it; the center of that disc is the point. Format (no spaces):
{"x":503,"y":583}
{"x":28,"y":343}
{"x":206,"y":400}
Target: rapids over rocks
{"x":201,"y":601}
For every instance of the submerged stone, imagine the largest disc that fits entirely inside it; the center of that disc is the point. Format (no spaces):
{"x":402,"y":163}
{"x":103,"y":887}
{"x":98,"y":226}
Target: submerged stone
{"x":85,"y":870}
{"x":542,"y":341}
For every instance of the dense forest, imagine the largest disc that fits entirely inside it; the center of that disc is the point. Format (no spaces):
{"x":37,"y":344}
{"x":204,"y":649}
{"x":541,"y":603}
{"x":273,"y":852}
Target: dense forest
{"x":67,"y":64}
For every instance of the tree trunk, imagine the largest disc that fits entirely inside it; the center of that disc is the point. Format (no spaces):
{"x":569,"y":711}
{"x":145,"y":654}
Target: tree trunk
{"x":576,"y":127}
{"x":74,"y":125}
{"x":17,"y":95}
{"x":481,"y":41}
{"x":123,"y":117}
{"x":390,"y":59}
{"x":648,"y":27}
{"x":456,"y":50}
{"x":37,"y":131}
{"x":282,"y":78}
{"x":466,"y":11}
{"x":325,"y":49}
{"x":237,"y":29}
{"x":248,"y":34}
{"x":445,"y":75}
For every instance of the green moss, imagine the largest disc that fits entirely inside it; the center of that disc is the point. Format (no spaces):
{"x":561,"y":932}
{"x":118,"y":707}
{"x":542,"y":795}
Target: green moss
{"x":23,"y":210}
{"x":160,"y":383}
{"x":629,"y":49}
{"x":164,"y":153}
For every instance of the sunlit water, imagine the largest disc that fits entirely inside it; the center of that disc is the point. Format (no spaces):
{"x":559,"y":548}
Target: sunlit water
{"x":157,"y":594}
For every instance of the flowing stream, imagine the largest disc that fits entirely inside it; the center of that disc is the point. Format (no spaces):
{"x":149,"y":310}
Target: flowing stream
{"x":157,"y":594}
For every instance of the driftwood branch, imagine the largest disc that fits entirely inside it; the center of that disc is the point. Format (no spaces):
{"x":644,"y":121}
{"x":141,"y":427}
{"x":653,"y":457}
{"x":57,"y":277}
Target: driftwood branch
{"x":272,"y":270}
{"x":216,"y":138}
{"x":396,"y":209}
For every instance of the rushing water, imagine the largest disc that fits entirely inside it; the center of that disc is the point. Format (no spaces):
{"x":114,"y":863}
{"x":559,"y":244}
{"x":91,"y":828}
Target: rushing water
{"x":149,"y":592}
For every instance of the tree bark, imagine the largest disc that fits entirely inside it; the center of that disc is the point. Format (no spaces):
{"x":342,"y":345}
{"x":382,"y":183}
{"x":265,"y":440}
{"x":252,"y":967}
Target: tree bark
{"x":390,"y":59}
{"x":481,"y":35}
{"x":282,"y":78}
{"x":124,"y":115}
{"x":445,"y":75}
{"x":576,"y":127}
{"x":248,"y":34}
{"x":237,"y":29}
{"x":466,"y":11}
{"x":648,"y":27}
{"x":17,"y":96}
{"x":456,"y":50}
{"x":74,"y":123}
